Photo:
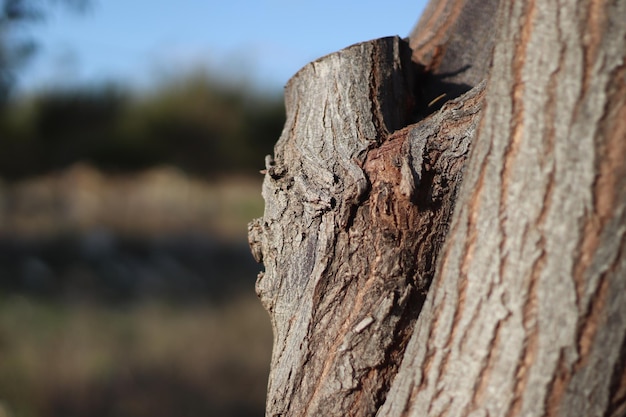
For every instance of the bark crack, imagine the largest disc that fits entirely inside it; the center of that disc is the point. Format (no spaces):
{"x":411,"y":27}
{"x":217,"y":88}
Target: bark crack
{"x":481,"y":384}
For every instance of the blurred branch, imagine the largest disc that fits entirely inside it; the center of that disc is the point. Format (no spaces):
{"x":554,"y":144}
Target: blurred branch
{"x":15,"y":50}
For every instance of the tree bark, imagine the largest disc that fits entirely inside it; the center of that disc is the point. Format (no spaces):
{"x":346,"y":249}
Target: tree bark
{"x":373,"y":194}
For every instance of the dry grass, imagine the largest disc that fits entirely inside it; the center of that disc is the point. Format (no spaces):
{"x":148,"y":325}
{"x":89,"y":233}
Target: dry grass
{"x":160,"y":201}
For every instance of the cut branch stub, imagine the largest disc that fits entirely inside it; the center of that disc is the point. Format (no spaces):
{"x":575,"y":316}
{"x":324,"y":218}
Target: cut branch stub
{"x":354,"y":217}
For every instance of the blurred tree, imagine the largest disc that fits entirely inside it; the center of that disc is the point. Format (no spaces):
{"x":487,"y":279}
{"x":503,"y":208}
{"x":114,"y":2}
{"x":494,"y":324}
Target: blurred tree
{"x":77,"y":124}
{"x":195,"y":122}
{"x":15,"y":46}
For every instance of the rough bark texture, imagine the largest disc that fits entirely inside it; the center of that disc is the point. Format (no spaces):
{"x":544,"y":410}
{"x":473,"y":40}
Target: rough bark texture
{"x":527,"y":311}
{"x":353,"y":219}
{"x":454,"y":39}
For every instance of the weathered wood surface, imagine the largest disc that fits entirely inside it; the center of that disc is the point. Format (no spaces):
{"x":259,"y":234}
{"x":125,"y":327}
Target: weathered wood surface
{"x":527,"y":311}
{"x":354,"y":218}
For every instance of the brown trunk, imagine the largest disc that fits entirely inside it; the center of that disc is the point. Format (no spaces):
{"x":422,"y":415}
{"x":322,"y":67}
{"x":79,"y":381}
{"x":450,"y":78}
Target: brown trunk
{"x":526,"y":314}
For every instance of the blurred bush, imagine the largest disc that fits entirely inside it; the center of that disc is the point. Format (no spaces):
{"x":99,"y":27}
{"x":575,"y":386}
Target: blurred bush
{"x":194,"y":122}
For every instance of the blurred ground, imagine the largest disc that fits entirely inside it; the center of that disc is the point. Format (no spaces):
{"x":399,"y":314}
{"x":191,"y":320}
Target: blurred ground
{"x":130,"y":295}
{"x":143,"y":359}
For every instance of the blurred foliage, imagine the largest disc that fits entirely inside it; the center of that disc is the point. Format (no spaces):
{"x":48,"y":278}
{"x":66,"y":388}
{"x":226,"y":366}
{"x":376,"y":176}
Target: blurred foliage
{"x":15,"y":46}
{"x":194,"y":122}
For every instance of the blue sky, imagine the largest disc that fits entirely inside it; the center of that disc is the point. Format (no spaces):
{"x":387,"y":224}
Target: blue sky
{"x":139,"y":42}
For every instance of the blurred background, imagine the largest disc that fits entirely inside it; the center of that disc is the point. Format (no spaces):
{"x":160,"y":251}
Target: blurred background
{"x":131,"y":139}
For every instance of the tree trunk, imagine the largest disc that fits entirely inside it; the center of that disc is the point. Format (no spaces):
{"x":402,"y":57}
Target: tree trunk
{"x":406,"y":275}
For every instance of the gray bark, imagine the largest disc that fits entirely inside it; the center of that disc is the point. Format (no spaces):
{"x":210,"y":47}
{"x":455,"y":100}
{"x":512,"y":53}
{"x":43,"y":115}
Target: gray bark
{"x":454,"y":39}
{"x":526,"y":314}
